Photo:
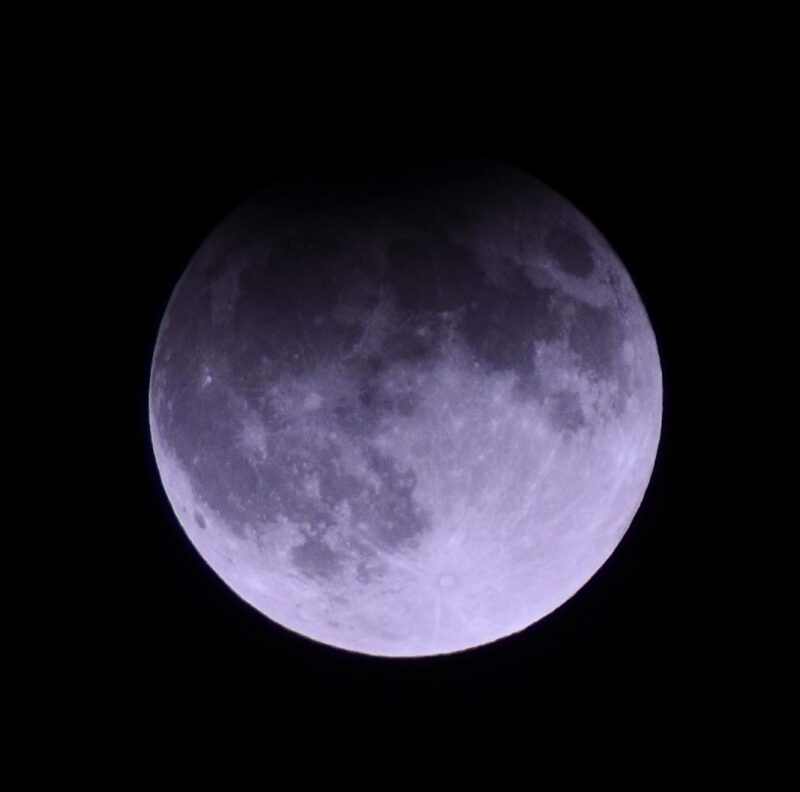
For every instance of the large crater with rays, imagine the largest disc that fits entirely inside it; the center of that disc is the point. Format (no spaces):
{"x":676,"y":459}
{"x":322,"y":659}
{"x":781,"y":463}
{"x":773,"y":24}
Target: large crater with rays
{"x":406,"y":411}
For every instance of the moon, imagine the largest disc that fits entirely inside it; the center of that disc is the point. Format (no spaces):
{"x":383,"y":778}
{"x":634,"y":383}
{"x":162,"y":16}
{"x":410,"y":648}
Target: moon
{"x":407,"y":411}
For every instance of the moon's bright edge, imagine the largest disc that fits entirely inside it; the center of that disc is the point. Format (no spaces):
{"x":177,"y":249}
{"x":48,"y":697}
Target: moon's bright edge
{"x":407,"y":415}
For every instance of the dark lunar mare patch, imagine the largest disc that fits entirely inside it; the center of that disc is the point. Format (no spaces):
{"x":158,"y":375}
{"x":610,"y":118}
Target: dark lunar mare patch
{"x":502,"y":326}
{"x":597,"y":336}
{"x":360,"y":410}
{"x":390,"y":511}
{"x":565,"y":411}
{"x":432,"y":273}
{"x":377,"y":399}
{"x":383,"y":516}
{"x":406,"y":345}
{"x":571,"y":250}
{"x":286,"y":313}
{"x":202,"y":427}
{"x":315,"y":559}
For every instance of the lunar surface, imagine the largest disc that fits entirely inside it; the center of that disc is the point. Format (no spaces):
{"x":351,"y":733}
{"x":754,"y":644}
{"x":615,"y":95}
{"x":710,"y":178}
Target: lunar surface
{"x":407,"y":412}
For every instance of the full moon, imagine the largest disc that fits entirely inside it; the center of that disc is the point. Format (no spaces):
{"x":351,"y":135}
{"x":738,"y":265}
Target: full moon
{"x":407,"y":411}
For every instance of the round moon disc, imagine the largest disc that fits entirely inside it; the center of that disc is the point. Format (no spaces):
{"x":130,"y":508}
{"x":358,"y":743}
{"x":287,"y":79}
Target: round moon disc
{"x":408,"y":412}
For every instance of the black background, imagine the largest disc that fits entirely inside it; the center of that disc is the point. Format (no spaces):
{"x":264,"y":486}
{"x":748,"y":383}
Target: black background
{"x":670,"y":135}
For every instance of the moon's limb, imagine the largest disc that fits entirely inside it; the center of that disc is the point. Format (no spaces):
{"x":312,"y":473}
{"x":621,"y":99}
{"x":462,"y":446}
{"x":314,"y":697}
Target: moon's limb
{"x":406,"y":425}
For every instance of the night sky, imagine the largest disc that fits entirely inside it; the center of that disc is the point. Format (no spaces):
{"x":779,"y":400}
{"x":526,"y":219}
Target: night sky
{"x":669,"y":139}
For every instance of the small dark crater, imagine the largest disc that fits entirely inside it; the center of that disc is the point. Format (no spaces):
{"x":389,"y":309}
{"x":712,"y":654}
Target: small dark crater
{"x":200,"y":520}
{"x":571,"y":250}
